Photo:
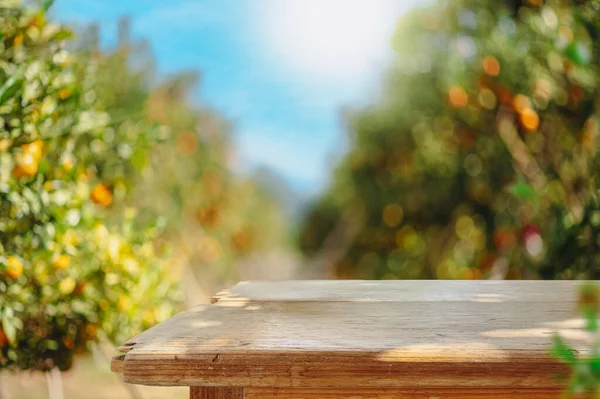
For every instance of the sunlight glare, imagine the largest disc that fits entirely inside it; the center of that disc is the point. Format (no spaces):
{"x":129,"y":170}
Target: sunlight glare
{"x":332,"y":39}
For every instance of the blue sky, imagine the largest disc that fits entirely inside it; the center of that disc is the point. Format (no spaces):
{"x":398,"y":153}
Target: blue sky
{"x":280,"y":69}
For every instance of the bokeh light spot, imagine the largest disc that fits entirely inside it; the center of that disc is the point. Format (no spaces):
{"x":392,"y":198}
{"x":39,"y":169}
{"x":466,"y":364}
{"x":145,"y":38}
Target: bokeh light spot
{"x":458,"y":97}
{"x":491,"y":66}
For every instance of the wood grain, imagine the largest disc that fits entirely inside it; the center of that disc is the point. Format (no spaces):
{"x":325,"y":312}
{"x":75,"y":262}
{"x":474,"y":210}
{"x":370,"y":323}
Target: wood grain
{"x":485,"y":291}
{"x":419,"y":334}
{"x":399,"y":393}
{"x":216,"y":393}
{"x":116,"y":364}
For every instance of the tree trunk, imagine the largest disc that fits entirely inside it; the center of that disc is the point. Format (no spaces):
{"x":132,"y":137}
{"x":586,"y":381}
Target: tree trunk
{"x":54,"y":383}
{"x":4,"y":394}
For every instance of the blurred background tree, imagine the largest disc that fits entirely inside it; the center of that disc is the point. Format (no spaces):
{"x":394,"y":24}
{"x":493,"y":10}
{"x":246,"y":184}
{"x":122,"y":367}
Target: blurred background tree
{"x":69,"y":276}
{"x":114,"y":186}
{"x":212,"y":217}
{"x":480,"y":157}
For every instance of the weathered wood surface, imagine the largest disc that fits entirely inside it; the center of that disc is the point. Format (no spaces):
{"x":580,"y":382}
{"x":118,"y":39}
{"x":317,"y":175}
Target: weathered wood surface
{"x":420,"y":334}
{"x":216,"y":393}
{"x":399,"y":393}
{"x":485,"y":291}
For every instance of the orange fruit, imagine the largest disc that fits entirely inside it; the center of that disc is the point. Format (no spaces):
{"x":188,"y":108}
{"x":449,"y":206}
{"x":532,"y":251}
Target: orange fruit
{"x":15,"y":267}
{"x":69,"y":343}
{"x":458,"y":97}
{"x":491,"y":66}
{"x":26,"y":165}
{"x":18,"y":40}
{"x":209,"y":217}
{"x":101,"y":195}
{"x":64,"y":93}
{"x":529,"y":119}
{"x":80,"y":288}
{"x":35,"y":149}
{"x":61,"y":262}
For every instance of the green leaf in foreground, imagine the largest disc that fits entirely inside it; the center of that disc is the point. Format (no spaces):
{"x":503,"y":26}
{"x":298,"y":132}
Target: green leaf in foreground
{"x":562,"y":351}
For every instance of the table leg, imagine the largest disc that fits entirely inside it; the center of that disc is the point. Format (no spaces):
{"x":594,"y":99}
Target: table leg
{"x":216,"y":393}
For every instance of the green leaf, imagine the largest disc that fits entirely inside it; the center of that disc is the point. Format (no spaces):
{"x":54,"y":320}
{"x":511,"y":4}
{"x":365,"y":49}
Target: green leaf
{"x":595,"y":365}
{"x":139,"y":159}
{"x":9,"y":327}
{"x":51,"y":344}
{"x":47,"y":4}
{"x":8,"y":89}
{"x":63,"y":34}
{"x":562,"y":351}
{"x":523,"y":190}
{"x":576,"y":53}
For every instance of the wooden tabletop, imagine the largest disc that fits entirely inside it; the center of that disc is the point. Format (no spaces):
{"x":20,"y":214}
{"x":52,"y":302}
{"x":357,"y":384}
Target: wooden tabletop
{"x":316,"y":334}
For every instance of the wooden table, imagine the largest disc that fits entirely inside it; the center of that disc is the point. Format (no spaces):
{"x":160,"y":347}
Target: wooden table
{"x":363,"y":340}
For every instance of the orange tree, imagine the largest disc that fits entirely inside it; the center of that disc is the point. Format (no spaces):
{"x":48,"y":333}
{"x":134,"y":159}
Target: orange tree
{"x":480,"y":156}
{"x":213,"y":218}
{"x":67,"y":276}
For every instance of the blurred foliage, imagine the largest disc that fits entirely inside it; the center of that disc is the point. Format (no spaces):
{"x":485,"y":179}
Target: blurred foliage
{"x":213,"y":218}
{"x":111,"y":184}
{"x":585,"y":369}
{"x":480,"y":157}
{"x":67,"y":276}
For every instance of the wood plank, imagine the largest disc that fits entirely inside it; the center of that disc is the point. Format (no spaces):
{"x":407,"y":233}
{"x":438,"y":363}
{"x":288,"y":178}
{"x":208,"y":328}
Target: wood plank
{"x":216,"y":393}
{"x":487,"y":291}
{"x":365,"y":344}
{"x":116,"y":364}
{"x":400,"y":393}
{"x":520,"y":375}
{"x":448,"y":337}
{"x":457,"y":330}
